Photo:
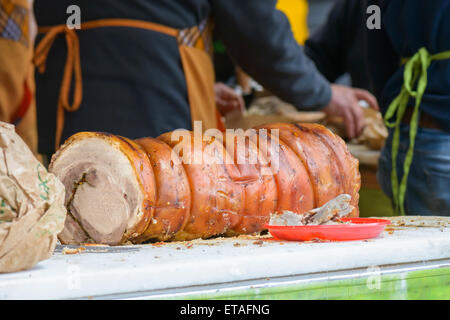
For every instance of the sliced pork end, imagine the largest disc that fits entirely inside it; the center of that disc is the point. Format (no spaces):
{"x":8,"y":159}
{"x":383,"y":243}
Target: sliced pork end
{"x":110,"y":188}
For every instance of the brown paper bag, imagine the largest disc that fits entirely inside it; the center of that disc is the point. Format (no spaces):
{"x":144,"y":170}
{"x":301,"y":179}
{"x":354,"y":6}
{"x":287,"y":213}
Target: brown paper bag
{"x":32,"y":210}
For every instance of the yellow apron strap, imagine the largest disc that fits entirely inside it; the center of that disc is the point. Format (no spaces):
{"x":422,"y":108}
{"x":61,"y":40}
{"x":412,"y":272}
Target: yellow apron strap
{"x":415,"y":73}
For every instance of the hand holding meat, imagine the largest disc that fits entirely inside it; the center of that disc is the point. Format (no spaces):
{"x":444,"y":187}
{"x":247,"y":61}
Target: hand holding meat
{"x":345,"y":103}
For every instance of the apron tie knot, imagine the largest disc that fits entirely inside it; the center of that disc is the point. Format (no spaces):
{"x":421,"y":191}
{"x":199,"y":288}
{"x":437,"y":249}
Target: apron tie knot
{"x":197,"y":65}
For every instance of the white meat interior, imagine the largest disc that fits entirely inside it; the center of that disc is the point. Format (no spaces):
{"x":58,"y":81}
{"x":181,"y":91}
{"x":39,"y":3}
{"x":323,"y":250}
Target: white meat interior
{"x":103,"y":194}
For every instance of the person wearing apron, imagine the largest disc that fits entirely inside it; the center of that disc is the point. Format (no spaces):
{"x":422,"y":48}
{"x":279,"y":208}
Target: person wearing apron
{"x":193,"y":44}
{"x":140,"y":68}
{"x":409,"y":60}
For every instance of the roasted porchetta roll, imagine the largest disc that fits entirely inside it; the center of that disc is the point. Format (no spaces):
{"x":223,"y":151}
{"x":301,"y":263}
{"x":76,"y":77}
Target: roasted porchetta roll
{"x":184,"y":185}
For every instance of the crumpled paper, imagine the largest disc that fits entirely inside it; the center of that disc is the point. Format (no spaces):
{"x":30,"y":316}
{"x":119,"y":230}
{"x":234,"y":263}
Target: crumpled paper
{"x":270,"y":110}
{"x":375,"y":132}
{"x":373,"y":135}
{"x":32,"y":210}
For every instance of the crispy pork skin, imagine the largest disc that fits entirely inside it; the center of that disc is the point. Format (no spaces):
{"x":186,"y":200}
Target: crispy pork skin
{"x":173,"y":204}
{"x":318,"y":160}
{"x":294,"y":186}
{"x":347,"y":164}
{"x":215,"y":199}
{"x":253,"y":176}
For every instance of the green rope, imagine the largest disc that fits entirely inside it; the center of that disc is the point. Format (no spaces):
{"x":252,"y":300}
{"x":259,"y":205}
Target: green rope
{"x":415,"y":70}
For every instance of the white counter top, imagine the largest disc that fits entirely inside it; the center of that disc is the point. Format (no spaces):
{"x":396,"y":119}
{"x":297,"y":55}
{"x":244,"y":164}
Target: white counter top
{"x":128,"y":269}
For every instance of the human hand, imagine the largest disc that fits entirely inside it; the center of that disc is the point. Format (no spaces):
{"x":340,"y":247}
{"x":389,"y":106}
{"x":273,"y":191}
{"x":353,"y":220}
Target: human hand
{"x":345,"y":103}
{"x":227,"y":99}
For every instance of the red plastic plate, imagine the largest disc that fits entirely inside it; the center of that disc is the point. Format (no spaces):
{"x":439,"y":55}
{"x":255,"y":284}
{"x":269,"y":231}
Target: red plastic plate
{"x":359,"y":229}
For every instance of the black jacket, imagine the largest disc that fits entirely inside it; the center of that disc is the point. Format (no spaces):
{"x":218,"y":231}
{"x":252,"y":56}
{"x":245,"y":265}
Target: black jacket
{"x":133,"y":83}
{"x":339,"y":45}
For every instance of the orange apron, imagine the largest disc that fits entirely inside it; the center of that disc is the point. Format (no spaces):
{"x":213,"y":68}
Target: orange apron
{"x":193,"y":43}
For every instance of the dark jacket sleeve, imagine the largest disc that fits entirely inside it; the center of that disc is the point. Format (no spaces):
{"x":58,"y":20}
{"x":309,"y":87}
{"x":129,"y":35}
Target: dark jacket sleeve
{"x":259,"y":39}
{"x":329,"y":45}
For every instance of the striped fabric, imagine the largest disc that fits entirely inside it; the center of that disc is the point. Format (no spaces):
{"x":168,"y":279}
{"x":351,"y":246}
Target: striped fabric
{"x":14,"y":22}
{"x":198,"y":36}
